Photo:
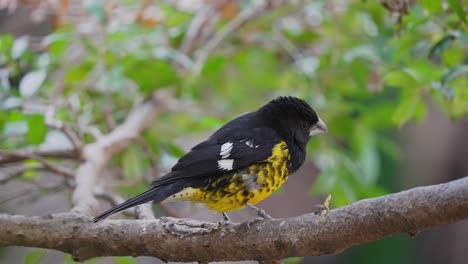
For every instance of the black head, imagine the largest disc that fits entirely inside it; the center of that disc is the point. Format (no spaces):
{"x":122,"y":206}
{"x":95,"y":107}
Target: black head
{"x":293,"y":119}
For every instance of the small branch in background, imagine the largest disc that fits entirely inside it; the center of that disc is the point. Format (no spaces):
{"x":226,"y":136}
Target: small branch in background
{"x":243,"y":17}
{"x":143,"y":211}
{"x":108,"y":119}
{"x":93,"y":131}
{"x":98,"y":153}
{"x":23,"y":154}
{"x":67,"y":131}
{"x":397,"y":6}
{"x":44,"y":162}
{"x":206,"y":12}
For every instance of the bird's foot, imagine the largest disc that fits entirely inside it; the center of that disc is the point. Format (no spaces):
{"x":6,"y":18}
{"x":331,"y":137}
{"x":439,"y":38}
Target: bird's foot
{"x":253,"y":221}
{"x":262,"y":215}
{"x":226,"y":223}
{"x":259,"y":211}
{"x":323,"y":209}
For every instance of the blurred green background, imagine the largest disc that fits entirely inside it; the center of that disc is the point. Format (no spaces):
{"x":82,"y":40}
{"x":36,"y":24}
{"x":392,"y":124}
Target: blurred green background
{"x":388,"y":77}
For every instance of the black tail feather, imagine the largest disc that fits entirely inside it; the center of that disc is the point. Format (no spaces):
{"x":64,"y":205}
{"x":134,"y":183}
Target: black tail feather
{"x":150,"y":195}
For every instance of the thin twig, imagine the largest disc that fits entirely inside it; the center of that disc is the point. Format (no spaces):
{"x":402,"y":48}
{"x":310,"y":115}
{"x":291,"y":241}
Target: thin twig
{"x":48,"y":165}
{"x":205,"y":12}
{"x":23,"y":154}
{"x":246,"y":15}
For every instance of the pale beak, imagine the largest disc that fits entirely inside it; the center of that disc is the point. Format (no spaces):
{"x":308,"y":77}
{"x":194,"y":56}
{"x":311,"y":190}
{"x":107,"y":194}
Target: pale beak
{"x":318,"y":128}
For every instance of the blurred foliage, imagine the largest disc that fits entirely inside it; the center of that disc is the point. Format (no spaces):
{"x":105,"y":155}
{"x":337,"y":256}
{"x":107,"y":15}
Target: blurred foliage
{"x":363,"y":71}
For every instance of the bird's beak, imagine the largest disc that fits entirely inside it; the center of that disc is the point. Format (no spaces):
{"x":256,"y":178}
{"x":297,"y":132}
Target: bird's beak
{"x":318,"y":128}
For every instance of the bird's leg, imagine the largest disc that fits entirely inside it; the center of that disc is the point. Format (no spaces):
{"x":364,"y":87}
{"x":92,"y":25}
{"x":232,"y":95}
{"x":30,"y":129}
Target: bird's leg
{"x":259,"y":211}
{"x":263,"y":215}
{"x":226,"y":221}
{"x":226,"y":224}
{"x":225,"y":217}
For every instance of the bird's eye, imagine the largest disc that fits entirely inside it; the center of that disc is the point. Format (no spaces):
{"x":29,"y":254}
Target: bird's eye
{"x":305,"y":126}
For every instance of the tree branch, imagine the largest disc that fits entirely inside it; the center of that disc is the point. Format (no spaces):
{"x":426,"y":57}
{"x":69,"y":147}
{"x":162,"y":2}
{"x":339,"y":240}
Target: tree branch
{"x":98,"y":153}
{"x":409,"y":211}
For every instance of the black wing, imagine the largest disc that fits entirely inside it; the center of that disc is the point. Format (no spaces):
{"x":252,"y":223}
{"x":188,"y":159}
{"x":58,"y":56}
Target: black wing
{"x":234,"y":146}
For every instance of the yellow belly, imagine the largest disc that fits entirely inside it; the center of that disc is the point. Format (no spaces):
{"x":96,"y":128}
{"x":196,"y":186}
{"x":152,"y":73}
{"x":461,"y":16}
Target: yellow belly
{"x":251,"y":185}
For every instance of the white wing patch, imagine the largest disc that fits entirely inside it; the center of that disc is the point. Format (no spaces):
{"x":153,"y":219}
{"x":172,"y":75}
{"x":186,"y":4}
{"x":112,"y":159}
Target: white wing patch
{"x":250,"y":143}
{"x":225,"y":164}
{"x":226,"y":150}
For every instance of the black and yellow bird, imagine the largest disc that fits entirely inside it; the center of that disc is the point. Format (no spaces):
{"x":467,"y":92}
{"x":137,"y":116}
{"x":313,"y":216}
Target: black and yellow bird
{"x":242,"y":163}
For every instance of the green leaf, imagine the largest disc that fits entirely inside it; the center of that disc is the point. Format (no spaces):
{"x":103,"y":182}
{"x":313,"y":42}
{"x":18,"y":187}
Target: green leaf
{"x":455,"y":5}
{"x":174,"y":150}
{"x":34,"y":256}
{"x":433,"y":6}
{"x":29,"y":175}
{"x":125,"y":260}
{"x":454,"y":72}
{"x":441,"y":45}
{"x":293,"y":260}
{"x":151,"y":74}
{"x":406,"y":109}
{"x":36,"y":129}
{"x":400,"y":78}
{"x":132,"y":162}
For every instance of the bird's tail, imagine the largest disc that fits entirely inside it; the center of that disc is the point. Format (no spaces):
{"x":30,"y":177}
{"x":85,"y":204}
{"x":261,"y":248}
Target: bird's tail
{"x":156,"y":194}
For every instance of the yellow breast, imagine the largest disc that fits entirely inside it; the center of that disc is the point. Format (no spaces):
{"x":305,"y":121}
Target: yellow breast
{"x":251,"y":185}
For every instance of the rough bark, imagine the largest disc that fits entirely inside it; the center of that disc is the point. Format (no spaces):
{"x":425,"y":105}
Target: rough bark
{"x":410,"y":211}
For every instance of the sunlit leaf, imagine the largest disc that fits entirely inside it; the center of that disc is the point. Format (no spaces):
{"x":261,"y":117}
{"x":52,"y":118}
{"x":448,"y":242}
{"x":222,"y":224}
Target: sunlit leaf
{"x":125,"y":260}
{"x":406,"y":109}
{"x":456,"y":6}
{"x":403,"y":79}
{"x":19,"y":47}
{"x":31,"y":82}
{"x":293,"y":260}
{"x":432,"y":6}
{"x":37,"y":130}
{"x":151,"y":74}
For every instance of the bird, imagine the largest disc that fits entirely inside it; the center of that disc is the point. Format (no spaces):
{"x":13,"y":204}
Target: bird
{"x":241,"y":163}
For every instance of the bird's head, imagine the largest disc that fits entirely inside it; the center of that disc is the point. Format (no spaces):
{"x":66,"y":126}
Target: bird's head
{"x":292,"y":118}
